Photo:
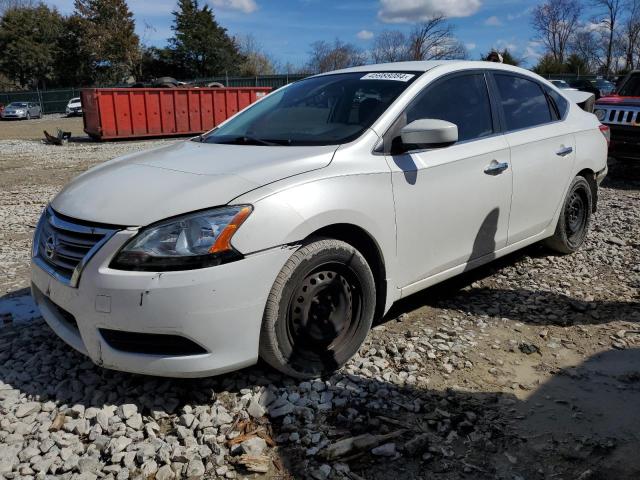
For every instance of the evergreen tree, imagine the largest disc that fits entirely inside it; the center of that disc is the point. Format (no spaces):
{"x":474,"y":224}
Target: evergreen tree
{"x":200,"y":47}
{"x":28,"y":42}
{"x":108,"y":40}
{"x":548,"y":65}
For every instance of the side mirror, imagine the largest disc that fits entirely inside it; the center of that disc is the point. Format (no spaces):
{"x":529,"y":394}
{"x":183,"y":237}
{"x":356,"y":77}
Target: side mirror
{"x":429,"y":133}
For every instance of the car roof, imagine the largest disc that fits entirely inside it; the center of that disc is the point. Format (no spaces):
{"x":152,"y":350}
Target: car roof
{"x":424,"y":66}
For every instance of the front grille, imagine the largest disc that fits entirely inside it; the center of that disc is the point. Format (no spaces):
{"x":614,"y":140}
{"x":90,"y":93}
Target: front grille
{"x":150,"y":343}
{"x":620,"y":115}
{"x":64,"y":245}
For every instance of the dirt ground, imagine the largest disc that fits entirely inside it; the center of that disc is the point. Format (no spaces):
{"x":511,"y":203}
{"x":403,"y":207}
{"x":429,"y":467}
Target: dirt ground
{"x":528,"y":368}
{"x":32,"y":129}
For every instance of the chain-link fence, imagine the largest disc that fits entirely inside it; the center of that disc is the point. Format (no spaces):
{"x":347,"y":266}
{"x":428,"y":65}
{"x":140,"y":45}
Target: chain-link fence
{"x":55,"y":101}
{"x":51,"y":101}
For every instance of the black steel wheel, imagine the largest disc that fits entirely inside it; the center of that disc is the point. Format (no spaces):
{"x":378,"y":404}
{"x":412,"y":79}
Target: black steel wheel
{"x":575,"y":217}
{"x":319,"y":311}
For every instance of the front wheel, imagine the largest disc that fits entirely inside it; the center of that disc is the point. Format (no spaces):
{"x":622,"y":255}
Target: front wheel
{"x":573,"y":224}
{"x":319,"y":311}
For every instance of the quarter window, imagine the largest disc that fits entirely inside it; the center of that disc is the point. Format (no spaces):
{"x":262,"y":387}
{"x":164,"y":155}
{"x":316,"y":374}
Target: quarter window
{"x":463,"y":100}
{"x":523,"y":102}
{"x":559,"y":102}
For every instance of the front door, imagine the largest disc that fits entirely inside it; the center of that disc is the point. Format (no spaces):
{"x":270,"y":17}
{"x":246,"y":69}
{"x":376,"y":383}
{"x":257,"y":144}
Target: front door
{"x":452,"y":203}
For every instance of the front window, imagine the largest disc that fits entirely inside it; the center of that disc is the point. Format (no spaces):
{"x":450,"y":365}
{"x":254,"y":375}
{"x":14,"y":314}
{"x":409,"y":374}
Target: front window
{"x":17,"y":105}
{"x":324,"y":110}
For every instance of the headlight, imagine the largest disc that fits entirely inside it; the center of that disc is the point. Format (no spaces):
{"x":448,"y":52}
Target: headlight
{"x":600,"y":114}
{"x":192,"y":241}
{"x":19,"y":112}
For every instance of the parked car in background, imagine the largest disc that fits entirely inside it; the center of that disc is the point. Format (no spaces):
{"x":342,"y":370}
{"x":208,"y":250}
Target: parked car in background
{"x":22,"y":110}
{"x":1,"y":108}
{"x":621,"y":112}
{"x":562,"y":84}
{"x":74,"y":107}
{"x":585,"y":85}
{"x":604,"y":86}
{"x":285,"y":231}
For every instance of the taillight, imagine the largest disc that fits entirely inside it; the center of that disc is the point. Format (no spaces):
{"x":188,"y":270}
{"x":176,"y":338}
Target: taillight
{"x":606,"y":131}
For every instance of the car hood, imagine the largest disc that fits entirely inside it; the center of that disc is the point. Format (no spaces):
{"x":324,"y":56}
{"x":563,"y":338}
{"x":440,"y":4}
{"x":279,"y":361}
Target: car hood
{"x":148,"y":186}
{"x":619,"y":100}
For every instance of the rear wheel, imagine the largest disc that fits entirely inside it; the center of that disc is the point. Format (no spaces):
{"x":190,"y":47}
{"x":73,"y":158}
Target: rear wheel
{"x":574,"y":220}
{"x":319,"y":311}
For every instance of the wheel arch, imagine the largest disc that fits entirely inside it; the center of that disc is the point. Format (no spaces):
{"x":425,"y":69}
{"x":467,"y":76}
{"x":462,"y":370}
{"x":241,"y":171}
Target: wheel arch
{"x":590,"y":176}
{"x":366,"y":244}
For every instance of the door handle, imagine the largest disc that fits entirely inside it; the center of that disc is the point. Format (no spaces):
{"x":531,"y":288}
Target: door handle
{"x":564,"y":151}
{"x":496,"y":168}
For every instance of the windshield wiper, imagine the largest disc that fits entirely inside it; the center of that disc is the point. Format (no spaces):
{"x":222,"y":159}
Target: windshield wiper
{"x":249,"y":140}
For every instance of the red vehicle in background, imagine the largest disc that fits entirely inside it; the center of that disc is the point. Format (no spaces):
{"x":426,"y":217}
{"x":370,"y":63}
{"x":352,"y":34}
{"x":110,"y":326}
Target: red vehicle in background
{"x":621,"y":113}
{"x":1,"y":108}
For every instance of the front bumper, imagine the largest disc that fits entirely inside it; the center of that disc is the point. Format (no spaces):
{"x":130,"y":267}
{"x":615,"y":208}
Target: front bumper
{"x":8,"y":116}
{"x":625,"y":141}
{"x":219,"y":308}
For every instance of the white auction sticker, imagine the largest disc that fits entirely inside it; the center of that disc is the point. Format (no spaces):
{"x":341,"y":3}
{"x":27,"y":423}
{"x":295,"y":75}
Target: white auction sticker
{"x":400,"y":77}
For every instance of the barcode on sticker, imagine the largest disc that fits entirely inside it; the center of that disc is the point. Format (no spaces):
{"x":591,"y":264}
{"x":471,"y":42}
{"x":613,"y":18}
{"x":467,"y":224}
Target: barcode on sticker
{"x":399,"y":77}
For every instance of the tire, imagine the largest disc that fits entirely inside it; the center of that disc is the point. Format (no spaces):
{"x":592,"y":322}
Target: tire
{"x":319,"y":311}
{"x":574,"y":220}
{"x":28,"y":116}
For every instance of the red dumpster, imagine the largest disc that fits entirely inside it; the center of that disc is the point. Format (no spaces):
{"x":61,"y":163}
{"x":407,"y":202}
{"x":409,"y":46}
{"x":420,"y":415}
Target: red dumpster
{"x":113,"y":113}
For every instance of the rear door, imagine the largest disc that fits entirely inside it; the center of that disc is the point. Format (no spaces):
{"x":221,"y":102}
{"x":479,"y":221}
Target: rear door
{"x":542,"y":152}
{"x":452,"y":203}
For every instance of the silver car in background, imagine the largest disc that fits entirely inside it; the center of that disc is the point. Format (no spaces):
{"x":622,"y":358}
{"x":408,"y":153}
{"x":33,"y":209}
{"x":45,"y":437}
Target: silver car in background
{"x":22,"y":110}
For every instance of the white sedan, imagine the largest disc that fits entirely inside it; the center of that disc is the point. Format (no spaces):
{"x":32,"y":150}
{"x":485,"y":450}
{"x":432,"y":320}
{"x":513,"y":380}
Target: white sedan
{"x":287,"y":230}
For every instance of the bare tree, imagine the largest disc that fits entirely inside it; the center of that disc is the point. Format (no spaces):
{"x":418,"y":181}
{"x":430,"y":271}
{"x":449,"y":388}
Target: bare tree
{"x":325,"y":56}
{"x":631,"y":34}
{"x":257,"y":61}
{"x":434,"y":40}
{"x":390,"y":46}
{"x":608,"y":18}
{"x":587,"y":46}
{"x":554,"y":22}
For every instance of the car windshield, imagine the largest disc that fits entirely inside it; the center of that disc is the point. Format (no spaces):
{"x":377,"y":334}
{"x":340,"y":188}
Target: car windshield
{"x":17,"y":105}
{"x":560,"y":83}
{"x":74,"y":100}
{"x":325,"y":110}
{"x":631,"y":87}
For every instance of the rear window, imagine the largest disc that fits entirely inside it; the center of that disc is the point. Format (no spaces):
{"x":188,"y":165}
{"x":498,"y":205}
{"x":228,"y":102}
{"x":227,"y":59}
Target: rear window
{"x":523,"y":102}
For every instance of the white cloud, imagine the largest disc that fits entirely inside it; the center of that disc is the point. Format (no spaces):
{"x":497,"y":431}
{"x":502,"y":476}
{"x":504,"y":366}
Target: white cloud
{"x":532,"y":52}
{"x":364,"y":35}
{"x":493,"y":22}
{"x":412,"y":11}
{"x":244,"y":6}
{"x":508,"y":44}
{"x":524,"y":13}
{"x":470,"y":46}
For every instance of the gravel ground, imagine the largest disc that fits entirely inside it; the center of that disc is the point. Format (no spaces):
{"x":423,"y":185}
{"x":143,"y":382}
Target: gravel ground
{"x":528,"y":368}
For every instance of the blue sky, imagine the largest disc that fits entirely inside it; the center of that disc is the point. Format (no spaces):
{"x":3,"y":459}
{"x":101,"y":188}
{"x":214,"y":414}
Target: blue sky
{"x":286,"y":28}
